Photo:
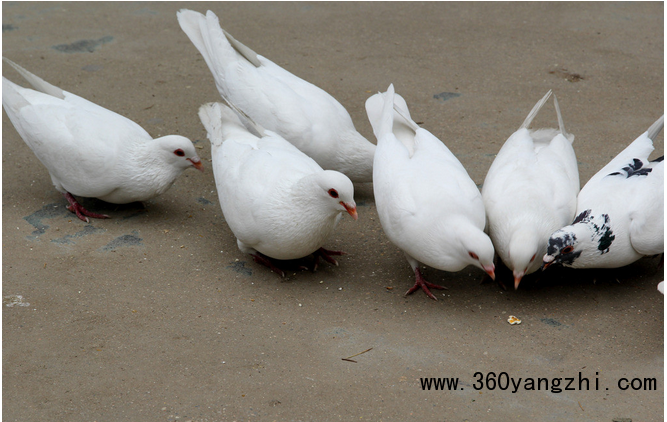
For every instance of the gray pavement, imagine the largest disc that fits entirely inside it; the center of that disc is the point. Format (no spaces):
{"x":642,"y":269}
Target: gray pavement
{"x":155,"y":315}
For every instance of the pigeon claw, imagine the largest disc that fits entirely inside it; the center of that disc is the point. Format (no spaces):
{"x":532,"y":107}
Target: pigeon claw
{"x":261,"y":259}
{"x":420,"y":282}
{"x":80,"y":211}
{"x":326,"y":255}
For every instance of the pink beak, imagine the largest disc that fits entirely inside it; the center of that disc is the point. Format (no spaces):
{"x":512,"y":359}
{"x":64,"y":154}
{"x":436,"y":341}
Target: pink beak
{"x":351,"y":209}
{"x":196,"y":162}
{"x":490,"y":270}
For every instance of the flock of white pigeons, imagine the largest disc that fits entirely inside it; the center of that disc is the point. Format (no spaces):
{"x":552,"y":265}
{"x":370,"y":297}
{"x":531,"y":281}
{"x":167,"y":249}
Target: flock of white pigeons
{"x":285,"y":155}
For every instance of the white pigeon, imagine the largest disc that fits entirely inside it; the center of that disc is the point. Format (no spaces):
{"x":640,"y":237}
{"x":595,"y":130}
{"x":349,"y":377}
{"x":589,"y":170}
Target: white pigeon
{"x":90,"y":151}
{"x":428,"y":205}
{"x":278,"y":202}
{"x":305,"y":115}
{"x":529,"y":192}
{"x":620,"y":212}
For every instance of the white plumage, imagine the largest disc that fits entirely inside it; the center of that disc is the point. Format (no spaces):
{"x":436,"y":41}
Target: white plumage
{"x":620,"y":212}
{"x":277,"y":201}
{"x":428,"y":205}
{"x":279,"y":101}
{"x":529,"y":192}
{"x":90,"y":151}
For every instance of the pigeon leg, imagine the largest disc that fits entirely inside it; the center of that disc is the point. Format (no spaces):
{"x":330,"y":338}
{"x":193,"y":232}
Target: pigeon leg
{"x":79,"y":210}
{"x":420,"y":282}
{"x":261,"y":259}
{"x":326,"y":255}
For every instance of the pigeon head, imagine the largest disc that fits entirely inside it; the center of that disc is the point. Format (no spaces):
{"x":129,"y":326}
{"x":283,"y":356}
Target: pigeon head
{"x":337,"y":191}
{"x":179,"y":152}
{"x":479,"y":251}
{"x":588,"y":237}
{"x":523,"y":251}
{"x":562,"y":248}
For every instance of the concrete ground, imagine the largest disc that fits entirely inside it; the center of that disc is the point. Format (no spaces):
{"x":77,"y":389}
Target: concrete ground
{"x":155,"y":315}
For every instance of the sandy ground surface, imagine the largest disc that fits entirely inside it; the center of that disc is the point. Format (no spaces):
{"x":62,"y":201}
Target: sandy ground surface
{"x":155,"y":315}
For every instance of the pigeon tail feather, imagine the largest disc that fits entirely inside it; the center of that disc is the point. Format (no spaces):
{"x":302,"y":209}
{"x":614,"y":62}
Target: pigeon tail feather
{"x":207,"y":36}
{"x":253,"y":127}
{"x":37,"y":82}
{"x":561,"y":125}
{"x":243,"y":50}
{"x":212,"y":116}
{"x":655,"y":128}
{"x":535,"y":110}
{"x":405,"y":115}
{"x":386,"y":123}
{"x":12,"y":99}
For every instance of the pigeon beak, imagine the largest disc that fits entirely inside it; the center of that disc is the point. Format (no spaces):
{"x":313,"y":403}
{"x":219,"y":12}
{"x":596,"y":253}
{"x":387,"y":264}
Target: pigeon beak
{"x":351,"y":209}
{"x":490,"y":270}
{"x":547,"y":261}
{"x":517,"y":279}
{"x":196,"y":162}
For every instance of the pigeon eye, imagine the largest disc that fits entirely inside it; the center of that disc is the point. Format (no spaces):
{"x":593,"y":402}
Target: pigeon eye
{"x":179,"y":152}
{"x":567,"y":249}
{"x":333,"y":193}
{"x":473,"y":255}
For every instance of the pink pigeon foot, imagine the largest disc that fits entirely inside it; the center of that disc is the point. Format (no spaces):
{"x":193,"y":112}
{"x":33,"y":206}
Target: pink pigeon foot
{"x":421,"y":282}
{"x":326,"y":255}
{"x":264,"y":260}
{"x":79,"y":210}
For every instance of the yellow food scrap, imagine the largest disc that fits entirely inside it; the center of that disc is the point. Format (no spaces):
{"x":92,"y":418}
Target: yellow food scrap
{"x":513,"y":320}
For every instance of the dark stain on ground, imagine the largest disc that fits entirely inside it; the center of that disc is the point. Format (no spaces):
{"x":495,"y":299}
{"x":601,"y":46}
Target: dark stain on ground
{"x":67,"y":239}
{"x":444,"y":96}
{"x":47,"y":211}
{"x":239,"y":267}
{"x":8,"y":27}
{"x":82,"y":46}
{"x":123,"y":241}
{"x":204,"y":201}
{"x":567,"y":75}
{"x":552,"y":322}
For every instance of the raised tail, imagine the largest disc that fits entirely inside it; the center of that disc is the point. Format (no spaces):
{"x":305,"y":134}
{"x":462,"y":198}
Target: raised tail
{"x":243,"y":50}
{"x":12,"y":99}
{"x":535,"y":110}
{"x":215,"y":45}
{"x":38,"y":83}
{"x":655,"y":128}
{"x":222,"y":122}
{"x":561,"y":125}
{"x":380,"y":111}
{"x":218,"y":120}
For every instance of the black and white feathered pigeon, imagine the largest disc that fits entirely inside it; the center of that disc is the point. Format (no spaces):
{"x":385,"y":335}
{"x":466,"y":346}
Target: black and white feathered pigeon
{"x":530,"y":191}
{"x":428,"y":205}
{"x":90,"y":151}
{"x":305,"y":115}
{"x":620,"y":212}
{"x":277,"y":201}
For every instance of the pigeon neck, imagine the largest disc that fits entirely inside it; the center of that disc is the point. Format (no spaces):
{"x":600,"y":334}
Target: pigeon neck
{"x":355,"y":157}
{"x":148,"y":163}
{"x":524,"y":250}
